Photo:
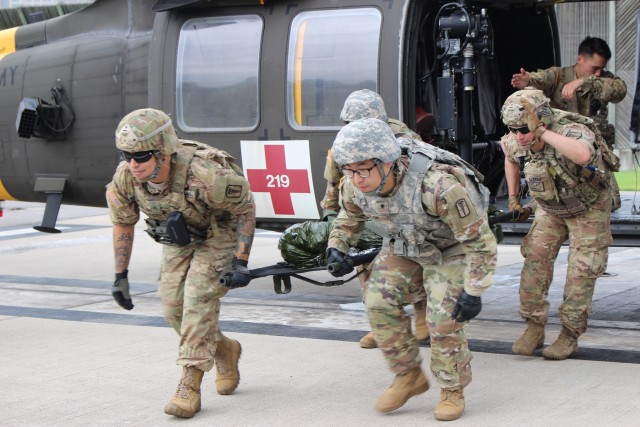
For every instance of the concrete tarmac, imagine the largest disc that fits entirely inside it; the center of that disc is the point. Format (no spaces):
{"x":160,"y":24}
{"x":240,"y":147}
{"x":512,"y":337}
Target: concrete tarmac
{"x":71,"y":357}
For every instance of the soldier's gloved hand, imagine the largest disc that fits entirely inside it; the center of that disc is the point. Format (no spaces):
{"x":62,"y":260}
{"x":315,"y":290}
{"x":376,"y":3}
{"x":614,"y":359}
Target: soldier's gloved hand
{"x":515,"y":206}
{"x":239,"y":276}
{"x":534,"y":123}
{"x":120,"y":290}
{"x":337,"y":263}
{"x":466,"y":308}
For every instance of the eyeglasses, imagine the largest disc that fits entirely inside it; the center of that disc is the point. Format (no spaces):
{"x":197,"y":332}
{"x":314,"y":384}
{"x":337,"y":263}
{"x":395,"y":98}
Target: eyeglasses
{"x":139,"y":157}
{"x":523,"y":130}
{"x":362,"y":173}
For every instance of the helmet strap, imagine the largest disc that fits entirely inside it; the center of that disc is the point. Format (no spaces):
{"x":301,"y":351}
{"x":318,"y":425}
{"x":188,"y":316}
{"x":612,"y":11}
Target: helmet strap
{"x":156,"y":171}
{"x":378,"y":191}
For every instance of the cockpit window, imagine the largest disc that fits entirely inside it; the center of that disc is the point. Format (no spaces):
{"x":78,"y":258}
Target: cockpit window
{"x":331,"y":53}
{"x":217,"y":74}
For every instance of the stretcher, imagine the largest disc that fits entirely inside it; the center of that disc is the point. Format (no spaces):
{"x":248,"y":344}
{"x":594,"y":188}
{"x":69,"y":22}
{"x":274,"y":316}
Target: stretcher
{"x":282,"y":272}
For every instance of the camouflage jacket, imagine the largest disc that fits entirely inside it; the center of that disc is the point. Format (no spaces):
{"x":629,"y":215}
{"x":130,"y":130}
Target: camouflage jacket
{"x":591,"y":98}
{"x":213,"y":194}
{"x":566,"y":170}
{"x":333,"y":175}
{"x":434,"y":213}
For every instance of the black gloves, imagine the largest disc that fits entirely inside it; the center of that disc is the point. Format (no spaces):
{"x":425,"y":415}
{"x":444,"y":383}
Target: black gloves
{"x":238,"y":277}
{"x":120,"y":290}
{"x":466,"y":308}
{"x":337,"y":263}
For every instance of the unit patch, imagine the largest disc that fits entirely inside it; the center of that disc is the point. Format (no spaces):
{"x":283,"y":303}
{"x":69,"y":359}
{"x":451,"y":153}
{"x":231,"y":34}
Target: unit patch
{"x":233,"y":191}
{"x":463,"y":208}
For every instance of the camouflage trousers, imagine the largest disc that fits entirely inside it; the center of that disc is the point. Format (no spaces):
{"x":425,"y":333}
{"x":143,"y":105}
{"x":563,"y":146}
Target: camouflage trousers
{"x":190,"y":293}
{"x":589,"y":237}
{"x":419,"y":299}
{"x":391,"y":285}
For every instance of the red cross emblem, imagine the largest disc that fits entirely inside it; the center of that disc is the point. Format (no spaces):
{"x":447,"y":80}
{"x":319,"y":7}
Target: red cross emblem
{"x":278,"y":181}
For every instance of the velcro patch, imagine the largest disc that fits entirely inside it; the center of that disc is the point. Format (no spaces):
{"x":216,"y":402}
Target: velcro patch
{"x":574,"y":134}
{"x":463,"y":208}
{"x":233,"y":191}
{"x":536,"y":186}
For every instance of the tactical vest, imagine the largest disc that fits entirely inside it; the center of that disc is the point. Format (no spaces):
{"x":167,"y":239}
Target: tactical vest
{"x":557,"y":189}
{"x":406,"y":229}
{"x":200,"y":219}
{"x":478,"y":193}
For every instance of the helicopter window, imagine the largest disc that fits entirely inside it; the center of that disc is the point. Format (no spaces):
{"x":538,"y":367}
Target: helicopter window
{"x":217,"y":74}
{"x":331,"y":53}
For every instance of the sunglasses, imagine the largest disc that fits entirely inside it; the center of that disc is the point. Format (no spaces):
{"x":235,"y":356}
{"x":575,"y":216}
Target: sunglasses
{"x":523,"y":130}
{"x":139,"y":157}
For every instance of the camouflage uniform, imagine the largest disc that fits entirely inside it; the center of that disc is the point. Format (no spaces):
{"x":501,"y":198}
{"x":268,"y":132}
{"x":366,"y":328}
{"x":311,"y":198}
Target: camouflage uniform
{"x":590,"y":100}
{"x":588,"y":232}
{"x":454,"y":251}
{"x":214,"y":194}
{"x":359,"y":104}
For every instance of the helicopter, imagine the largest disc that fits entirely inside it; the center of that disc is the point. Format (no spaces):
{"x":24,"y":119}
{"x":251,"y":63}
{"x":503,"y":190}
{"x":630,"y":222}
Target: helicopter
{"x":264,"y":80}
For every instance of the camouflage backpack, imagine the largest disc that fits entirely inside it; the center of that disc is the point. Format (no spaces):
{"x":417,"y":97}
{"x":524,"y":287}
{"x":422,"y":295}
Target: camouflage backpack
{"x":609,"y":157}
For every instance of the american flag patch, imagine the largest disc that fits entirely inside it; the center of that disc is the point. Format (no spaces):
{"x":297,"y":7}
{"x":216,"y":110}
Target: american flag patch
{"x":114,"y":199}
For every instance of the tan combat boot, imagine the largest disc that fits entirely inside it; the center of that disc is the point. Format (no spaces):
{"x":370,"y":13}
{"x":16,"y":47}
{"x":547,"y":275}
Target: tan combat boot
{"x":186,"y":400}
{"x":565,"y":346}
{"x":530,"y":340}
{"x":368,"y":341}
{"x":226,"y":361}
{"x":404,"y":387}
{"x":451,"y":405}
{"x":420,"y":312}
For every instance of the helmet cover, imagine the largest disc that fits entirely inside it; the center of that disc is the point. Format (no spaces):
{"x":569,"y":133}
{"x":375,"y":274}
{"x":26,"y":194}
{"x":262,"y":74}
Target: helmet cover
{"x":363,"y":140}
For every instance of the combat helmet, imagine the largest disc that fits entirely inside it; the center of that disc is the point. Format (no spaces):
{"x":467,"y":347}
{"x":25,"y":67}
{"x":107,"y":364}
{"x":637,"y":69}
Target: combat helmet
{"x":365,"y":139}
{"x":147,"y":129}
{"x":513,"y":113}
{"x":361,"y":104}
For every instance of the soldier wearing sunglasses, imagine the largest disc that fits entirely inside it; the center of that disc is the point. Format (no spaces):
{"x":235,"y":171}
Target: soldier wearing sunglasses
{"x":567,"y":166}
{"x":585,"y":88}
{"x":200,"y":208}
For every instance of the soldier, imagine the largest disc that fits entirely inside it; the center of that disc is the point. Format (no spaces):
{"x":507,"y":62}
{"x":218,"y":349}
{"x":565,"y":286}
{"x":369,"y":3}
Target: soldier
{"x":584,"y":88}
{"x":432,"y":228}
{"x":360,"y":104}
{"x":200,"y":207}
{"x":567,"y":167}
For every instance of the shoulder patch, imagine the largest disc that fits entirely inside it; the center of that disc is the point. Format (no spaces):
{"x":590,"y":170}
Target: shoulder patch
{"x":113,"y":197}
{"x":233,"y":191}
{"x":463,"y":208}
